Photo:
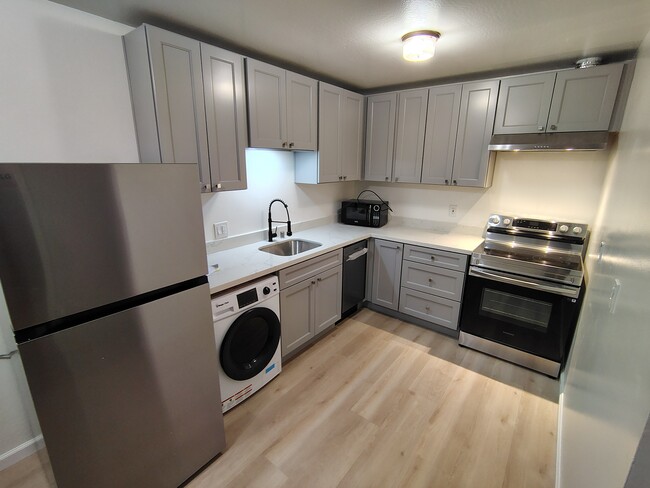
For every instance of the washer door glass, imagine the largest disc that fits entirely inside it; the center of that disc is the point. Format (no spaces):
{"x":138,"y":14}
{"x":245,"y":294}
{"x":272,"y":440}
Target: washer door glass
{"x":250,"y":343}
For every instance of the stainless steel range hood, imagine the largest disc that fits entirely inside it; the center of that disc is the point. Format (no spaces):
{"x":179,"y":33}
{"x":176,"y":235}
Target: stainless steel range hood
{"x":558,"y":141}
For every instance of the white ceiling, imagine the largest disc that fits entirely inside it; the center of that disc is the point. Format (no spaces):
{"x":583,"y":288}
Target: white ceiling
{"x":357,"y":42}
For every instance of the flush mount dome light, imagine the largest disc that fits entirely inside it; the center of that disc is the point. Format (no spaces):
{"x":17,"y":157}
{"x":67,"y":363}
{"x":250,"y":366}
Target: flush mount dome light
{"x":419,"y":45}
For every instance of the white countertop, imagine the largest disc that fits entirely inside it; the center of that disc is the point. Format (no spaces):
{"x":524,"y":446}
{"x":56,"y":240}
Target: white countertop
{"x":245,"y":263}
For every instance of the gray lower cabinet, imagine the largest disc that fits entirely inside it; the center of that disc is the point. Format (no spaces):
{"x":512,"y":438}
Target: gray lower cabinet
{"x":386,"y":272}
{"x":432,"y":285}
{"x":175,"y":81}
{"x":310,"y":299}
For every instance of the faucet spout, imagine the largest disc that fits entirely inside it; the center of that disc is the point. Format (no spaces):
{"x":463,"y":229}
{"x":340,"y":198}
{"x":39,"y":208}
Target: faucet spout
{"x":271,"y":221}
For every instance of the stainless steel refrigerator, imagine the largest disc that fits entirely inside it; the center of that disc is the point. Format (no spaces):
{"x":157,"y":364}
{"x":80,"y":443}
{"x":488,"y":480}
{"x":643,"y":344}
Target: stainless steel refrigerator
{"x":103,"y":268}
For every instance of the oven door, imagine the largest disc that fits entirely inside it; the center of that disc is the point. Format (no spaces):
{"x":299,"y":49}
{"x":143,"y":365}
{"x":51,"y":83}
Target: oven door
{"x":529,"y":315}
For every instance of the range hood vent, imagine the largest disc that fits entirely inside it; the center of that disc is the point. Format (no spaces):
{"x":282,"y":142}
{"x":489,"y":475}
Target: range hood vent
{"x":558,"y":141}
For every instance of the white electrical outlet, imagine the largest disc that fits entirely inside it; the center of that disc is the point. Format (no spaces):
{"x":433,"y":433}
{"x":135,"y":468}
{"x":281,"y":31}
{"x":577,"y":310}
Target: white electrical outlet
{"x":452,"y":210}
{"x":221,"y":230}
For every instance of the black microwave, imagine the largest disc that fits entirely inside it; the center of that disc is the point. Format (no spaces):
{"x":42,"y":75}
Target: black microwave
{"x":367,"y":213}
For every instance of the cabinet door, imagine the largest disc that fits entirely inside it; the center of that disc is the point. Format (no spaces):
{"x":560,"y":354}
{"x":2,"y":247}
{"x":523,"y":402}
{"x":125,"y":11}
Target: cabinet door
{"x":225,"y":113}
{"x":327,"y":299}
{"x":583,"y":99}
{"x":329,"y":133}
{"x":409,"y":140}
{"x":351,"y":135}
{"x":440,"y":136}
{"x":387,"y":265}
{"x":302,"y":110}
{"x":477,"y":107}
{"x":296,"y":310}
{"x":431,"y":308}
{"x":380,"y":136}
{"x":180,"y":108}
{"x":266,"y":105}
{"x":523,"y":104}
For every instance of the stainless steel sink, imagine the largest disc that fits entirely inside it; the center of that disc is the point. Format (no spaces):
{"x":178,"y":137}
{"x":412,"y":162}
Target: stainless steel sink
{"x":290,"y":247}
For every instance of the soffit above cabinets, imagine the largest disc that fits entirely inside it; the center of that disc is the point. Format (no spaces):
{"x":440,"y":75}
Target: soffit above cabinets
{"x":357,"y":43}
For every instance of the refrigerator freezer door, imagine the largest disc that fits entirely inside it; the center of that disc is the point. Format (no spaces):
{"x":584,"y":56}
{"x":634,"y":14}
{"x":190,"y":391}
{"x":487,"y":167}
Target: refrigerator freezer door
{"x":74,"y":237}
{"x":131,"y":399}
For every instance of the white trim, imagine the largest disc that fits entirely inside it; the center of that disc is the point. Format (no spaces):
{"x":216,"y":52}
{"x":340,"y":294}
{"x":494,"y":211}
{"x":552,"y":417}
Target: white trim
{"x":558,"y":449}
{"x":20,"y":452}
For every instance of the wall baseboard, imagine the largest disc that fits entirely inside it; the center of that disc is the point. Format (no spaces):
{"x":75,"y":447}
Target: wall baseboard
{"x":20,"y":452}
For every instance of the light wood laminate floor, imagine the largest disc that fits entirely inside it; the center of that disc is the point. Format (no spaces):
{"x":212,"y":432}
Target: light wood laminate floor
{"x":383,"y":403}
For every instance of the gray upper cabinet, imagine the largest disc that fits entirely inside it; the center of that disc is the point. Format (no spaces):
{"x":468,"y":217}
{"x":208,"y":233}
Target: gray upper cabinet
{"x":564,"y":101}
{"x":583,"y":99}
{"x":340,"y":138}
{"x":225,"y":112}
{"x":169,"y":95}
{"x":440,"y":138}
{"x":523,"y":104}
{"x":473,"y":163}
{"x":282,"y":110}
{"x":351,"y":127}
{"x":380,"y":136}
{"x":409,"y":140}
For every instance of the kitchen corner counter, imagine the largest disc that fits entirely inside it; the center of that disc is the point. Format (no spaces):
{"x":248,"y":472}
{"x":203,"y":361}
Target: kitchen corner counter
{"x":245,"y":263}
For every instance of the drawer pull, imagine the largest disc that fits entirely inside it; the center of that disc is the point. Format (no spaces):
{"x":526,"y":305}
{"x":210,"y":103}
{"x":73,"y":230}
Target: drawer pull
{"x":433,"y":258}
{"x":430,"y":280}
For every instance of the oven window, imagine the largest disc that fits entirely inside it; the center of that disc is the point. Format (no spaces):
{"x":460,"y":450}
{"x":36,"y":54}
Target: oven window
{"x":515,"y":309}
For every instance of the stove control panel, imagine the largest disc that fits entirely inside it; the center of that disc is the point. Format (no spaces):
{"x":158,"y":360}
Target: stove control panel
{"x":538,"y":226}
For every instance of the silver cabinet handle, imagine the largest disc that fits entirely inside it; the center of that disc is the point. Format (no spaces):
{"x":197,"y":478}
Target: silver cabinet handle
{"x":319,"y":279}
{"x":284,"y":144}
{"x":345,"y":177}
{"x":340,"y":177}
{"x":291,"y":144}
{"x":387,"y":178}
{"x":455,"y":182}
{"x":540,"y":128}
{"x":554,"y":127}
{"x":9,"y":354}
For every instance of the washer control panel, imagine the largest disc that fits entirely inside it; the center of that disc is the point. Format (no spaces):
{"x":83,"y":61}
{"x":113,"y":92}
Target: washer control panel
{"x":244,"y":297}
{"x":546,"y":227}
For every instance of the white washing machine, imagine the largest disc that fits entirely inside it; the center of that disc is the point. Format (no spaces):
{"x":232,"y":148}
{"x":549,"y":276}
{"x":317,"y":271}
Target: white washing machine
{"x":247,"y":331}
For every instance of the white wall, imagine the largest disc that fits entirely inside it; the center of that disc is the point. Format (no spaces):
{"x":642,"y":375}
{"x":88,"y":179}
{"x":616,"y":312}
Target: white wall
{"x":64,"y":97}
{"x":271,"y":175}
{"x":557,"y":185}
{"x":606,"y":399}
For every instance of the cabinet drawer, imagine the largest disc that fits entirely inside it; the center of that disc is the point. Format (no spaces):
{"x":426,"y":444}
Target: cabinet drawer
{"x":298,"y":272}
{"x":427,"y":307}
{"x":443,"y":259}
{"x":438,"y":281}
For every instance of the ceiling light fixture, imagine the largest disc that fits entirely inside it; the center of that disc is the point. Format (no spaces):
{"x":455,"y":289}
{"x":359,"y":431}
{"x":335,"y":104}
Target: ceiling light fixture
{"x":419,"y":45}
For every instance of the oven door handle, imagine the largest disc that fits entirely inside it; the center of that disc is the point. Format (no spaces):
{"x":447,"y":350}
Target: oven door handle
{"x":558,"y":289}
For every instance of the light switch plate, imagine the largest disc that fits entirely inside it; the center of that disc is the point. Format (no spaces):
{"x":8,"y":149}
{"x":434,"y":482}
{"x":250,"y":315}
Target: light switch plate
{"x":221,"y":230}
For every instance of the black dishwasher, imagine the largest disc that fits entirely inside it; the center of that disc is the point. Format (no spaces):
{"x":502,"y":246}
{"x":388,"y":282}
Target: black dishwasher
{"x":354,"y":277}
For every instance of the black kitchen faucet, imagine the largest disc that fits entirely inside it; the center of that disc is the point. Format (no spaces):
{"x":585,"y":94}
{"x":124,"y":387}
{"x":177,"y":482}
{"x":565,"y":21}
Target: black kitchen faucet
{"x":271,"y":222}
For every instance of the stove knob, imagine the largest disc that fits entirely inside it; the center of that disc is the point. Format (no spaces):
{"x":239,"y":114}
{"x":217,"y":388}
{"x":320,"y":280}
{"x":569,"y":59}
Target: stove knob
{"x":564,"y":228}
{"x":494,"y":220}
{"x":266,"y":290}
{"x":507,"y":221}
{"x":577,"y":230}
